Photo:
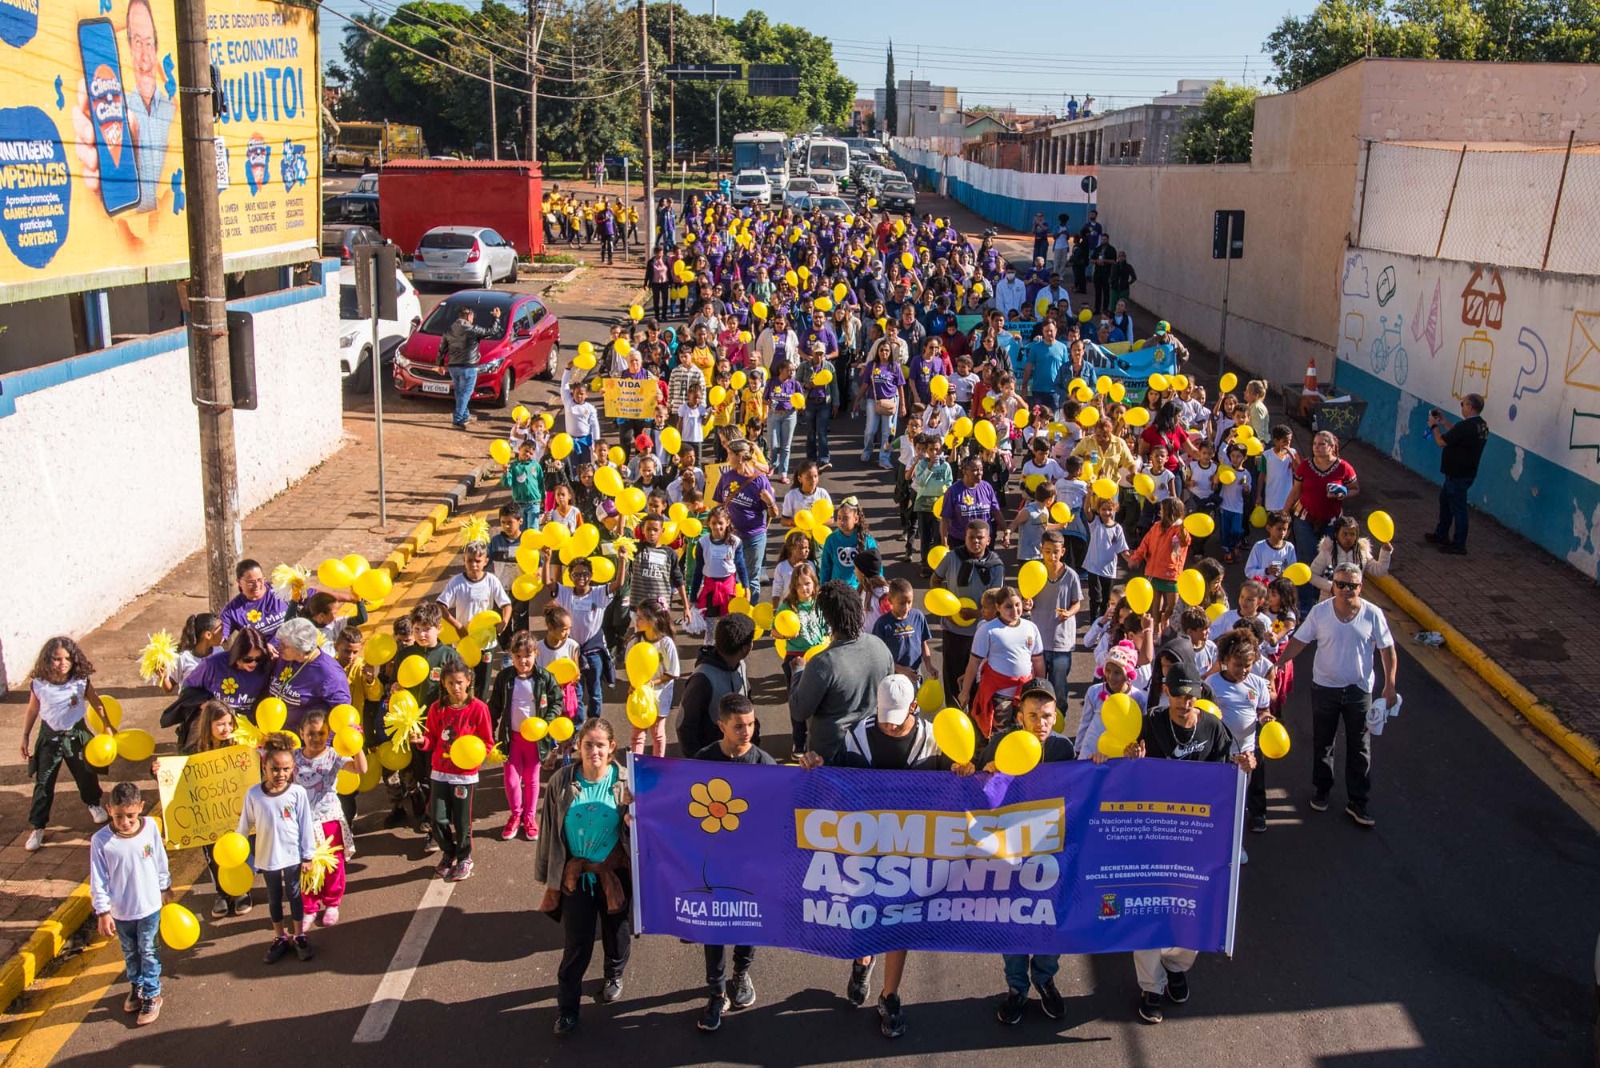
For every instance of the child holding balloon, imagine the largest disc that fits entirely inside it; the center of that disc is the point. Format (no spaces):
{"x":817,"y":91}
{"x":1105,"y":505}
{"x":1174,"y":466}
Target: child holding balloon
{"x":653,"y":626}
{"x":452,"y":720}
{"x":60,"y":696}
{"x":523,"y":703}
{"x":277,"y":810}
{"x":128,"y":884}
{"x":319,"y":767}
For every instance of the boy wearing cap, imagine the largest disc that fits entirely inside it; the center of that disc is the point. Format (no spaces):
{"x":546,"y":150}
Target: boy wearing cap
{"x":894,"y":739}
{"x":1179,"y":732}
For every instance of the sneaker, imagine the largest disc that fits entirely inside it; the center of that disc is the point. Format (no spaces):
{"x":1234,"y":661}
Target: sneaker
{"x":243,"y":905}
{"x":512,"y":826}
{"x":860,"y":984}
{"x":1150,"y":1007}
{"x":150,"y":1012}
{"x":867,"y":455}
{"x":311,"y":917}
{"x":744,"y":990}
{"x":611,"y":992}
{"x":824,"y":466}
{"x":886,"y":465}
{"x":1050,"y":1000}
{"x":463,"y":871}
{"x":711,"y":1018}
{"x":302,"y":948}
{"x":100,"y":815}
{"x":1258,"y":823}
{"x":1012,"y":1008}
{"x":1244,"y":858}
{"x":1433,"y":539}
{"x":566,"y":1023}
{"x":278,"y":950}
{"x":531,"y":830}
{"x":429,"y":846}
{"x":1319,"y":801}
{"x":220,"y":907}
{"x":35,"y":840}
{"x":132,"y":1003}
{"x":1177,"y":986}
{"x":330,"y":916}
{"x":443,"y":869}
{"x":395,"y":818}
{"x":1358,"y":812}
{"x":891,"y":1017}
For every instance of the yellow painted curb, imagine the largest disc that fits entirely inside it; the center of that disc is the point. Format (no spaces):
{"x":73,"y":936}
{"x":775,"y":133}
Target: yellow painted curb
{"x":414,"y":542}
{"x":1535,"y":711}
{"x":43,"y":946}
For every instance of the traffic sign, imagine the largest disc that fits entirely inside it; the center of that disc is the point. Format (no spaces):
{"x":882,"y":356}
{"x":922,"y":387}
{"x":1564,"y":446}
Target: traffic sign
{"x":703,"y":72}
{"x":774,"y":79}
{"x":1227,"y":235}
{"x":1090,"y":183}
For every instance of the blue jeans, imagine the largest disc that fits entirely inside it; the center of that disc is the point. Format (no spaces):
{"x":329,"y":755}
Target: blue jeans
{"x":880,"y":431}
{"x":1453,"y":509}
{"x":816,"y":420}
{"x":780,"y":436}
{"x":139,"y":953}
{"x":753,"y":547}
{"x":595,"y":668}
{"x":1023,"y":970}
{"x":1306,"y":539}
{"x":1232,"y":530}
{"x":1058,"y":669}
{"x":463,"y":380}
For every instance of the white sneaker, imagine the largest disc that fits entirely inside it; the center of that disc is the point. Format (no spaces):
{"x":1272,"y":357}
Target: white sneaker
{"x":98,"y":814}
{"x":1244,"y":858}
{"x":35,"y":841}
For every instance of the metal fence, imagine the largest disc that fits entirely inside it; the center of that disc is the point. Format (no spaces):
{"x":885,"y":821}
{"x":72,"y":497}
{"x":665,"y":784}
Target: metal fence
{"x":1534,"y":206}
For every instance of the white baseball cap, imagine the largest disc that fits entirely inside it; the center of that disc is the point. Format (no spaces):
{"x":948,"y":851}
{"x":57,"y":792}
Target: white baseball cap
{"x":896,"y":695}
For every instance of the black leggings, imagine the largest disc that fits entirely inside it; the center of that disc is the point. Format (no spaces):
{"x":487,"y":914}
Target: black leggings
{"x":957,"y":651}
{"x":1099,"y":587}
{"x":579,"y":910}
{"x":281,"y":884}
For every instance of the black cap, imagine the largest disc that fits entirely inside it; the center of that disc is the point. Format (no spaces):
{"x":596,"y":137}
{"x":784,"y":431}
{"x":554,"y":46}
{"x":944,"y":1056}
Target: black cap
{"x":1183,"y":679}
{"x":868,"y":562}
{"x":1037,"y":688}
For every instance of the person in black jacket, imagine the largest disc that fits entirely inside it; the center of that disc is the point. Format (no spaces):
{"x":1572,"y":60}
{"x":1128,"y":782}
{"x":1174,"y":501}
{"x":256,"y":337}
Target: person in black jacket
{"x":522,"y":692}
{"x":719,"y":672}
{"x":459,"y":347}
{"x":1463,"y":444}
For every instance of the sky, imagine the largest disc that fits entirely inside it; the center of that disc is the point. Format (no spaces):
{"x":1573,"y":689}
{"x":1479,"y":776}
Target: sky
{"x":1120,"y":54}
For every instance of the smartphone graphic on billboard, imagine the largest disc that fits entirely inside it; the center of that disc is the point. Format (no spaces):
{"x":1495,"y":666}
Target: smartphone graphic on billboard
{"x":108,"y":114}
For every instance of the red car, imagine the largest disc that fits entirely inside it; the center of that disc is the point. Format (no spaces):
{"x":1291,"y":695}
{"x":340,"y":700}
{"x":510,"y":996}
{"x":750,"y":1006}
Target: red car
{"x":526,"y":343}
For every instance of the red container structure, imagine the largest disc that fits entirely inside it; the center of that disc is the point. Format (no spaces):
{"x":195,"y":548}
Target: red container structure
{"x":416,"y":195}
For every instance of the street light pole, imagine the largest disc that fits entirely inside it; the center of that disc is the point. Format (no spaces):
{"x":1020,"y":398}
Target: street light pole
{"x":537,"y":10}
{"x":494,"y":115}
{"x":646,"y":91}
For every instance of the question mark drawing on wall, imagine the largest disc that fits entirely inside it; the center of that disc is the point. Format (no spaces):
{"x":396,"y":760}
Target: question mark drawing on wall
{"x":1535,"y":372}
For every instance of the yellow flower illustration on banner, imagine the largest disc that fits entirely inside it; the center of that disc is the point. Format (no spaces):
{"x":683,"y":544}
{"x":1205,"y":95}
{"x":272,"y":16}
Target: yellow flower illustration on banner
{"x":713,"y":804}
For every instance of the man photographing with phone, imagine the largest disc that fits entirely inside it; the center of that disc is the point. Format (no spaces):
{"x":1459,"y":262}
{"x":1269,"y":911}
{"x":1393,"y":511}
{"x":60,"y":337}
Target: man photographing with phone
{"x":1463,"y":444}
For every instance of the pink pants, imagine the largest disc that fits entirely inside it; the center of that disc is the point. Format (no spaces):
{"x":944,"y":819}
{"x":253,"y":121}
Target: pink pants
{"x":657,"y":733}
{"x":522,"y":780}
{"x":333,"y":883}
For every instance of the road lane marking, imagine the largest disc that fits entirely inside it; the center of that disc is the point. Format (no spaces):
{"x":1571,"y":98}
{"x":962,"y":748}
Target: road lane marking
{"x":403,"y":966}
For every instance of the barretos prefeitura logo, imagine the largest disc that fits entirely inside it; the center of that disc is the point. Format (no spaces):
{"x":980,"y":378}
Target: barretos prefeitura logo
{"x":257,"y":163}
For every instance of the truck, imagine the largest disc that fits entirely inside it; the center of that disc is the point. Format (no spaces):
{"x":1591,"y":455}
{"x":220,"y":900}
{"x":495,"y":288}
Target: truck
{"x":369,"y":145}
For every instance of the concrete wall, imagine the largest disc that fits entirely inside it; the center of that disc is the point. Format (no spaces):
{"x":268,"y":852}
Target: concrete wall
{"x":1006,"y":197}
{"x":99,"y":462}
{"x":1418,"y":334}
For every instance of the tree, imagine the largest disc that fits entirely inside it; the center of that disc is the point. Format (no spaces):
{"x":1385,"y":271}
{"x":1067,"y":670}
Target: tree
{"x":891,"y":99}
{"x":1339,"y":32}
{"x":1222,"y":129}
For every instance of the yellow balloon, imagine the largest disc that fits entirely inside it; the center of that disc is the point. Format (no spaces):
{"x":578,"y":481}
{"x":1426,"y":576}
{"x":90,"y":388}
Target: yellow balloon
{"x":602,"y":569}
{"x":1273,"y":741}
{"x":412,"y":671}
{"x":1199,"y":525}
{"x":936,"y":554}
{"x":1031,"y":578}
{"x":1088,"y":417}
{"x":764,"y":615}
{"x":817,"y":648}
{"x":1018,"y":753}
{"x":630,"y":501}
{"x":236,"y":880}
{"x":1215,"y":611}
{"x":1140,"y":594}
{"x":561,"y":728}
{"x":346,"y":782}
{"x":526,"y":587}
{"x":643,"y":662}
{"x":1228,"y":382}
{"x":616,"y":455}
{"x":500,"y":451}
{"x":1085,"y":315}
{"x":1253,"y":447}
{"x":1104,"y":488}
{"x":759,"y":310}
{"x":231,"y":850}
{"x":797,"y":401}
{"x":1381,"y":524}
{"x":341,"y":717}
{"x":635,"y":312}
{"x":470,"y":651}
{"x":941,"y":602}
{"x":962,"y":428}
{"x":113,"y":709}
{"x":1121,"y":718}
{"x":623,"y":347}
{"x":586,"y":348}
{"x":823,"y":304}
{"x":357,"y":564}
{"x":373,"y":586}
{"x":468,"y":751}
{"x":1297,"y":573}
{"x":1208,"y":707}
{"x":520,"y":414}
{"x":984,"y":432}
{"x":1179,"y":382}
{"x":717,"y":395}
{"x":781,"y":647}
{"x":271,"y":714}
{"x":1226,"y":476}
{"x":907,"y":260}
{"x":391,"y":758}
{"x":1191,"y":586}
{"x":953,"y":733}
{"x":561,"y":446}
{"x":786,"y":624}
{"x":737,"y":380}
{"x":671,"y":440}
{"x":533,"y":729}
{"x":1118,"y":391}
{"x":1258,"y":516}
{"x":1021,"y":419}
{"x":135,"y":745}
{"x":584,"y":361}
{"x":608,"y":480}
{"x":179,"y":928}
{"x":930,"y":695}
{"x":641,"y":708}
{"x":822,"y":377}
{"x":1111,"y":746}
{"x":1136,"y":417}
{"x":1102,"y":385}
{"x":1144,"y":485}
{"x":691,"y":527}
{"x":1060,"y":513}
{"x":334,"y":574}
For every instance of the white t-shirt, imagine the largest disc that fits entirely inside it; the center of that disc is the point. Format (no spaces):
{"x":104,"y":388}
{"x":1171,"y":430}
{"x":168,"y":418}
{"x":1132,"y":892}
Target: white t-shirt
{"x":544,"y":655}
{"x":1279,"y":479}
{"x":521,"y":701}
{"x":1200,"y":480}
{"x":466,"y":599}
{"x":796,"y":500}
{"x":692,"y":422}
{"x":1224,"y":623}
{"x":1345,"y":650}
{"x":1105,"y":542}
{"x":587,"y":611}
{"x":61,"y":704}
{"x":1240,"y":702}
{"x":1266,"y":563}
{"x":1009,"y":650}
{"x":1233,"y":493}
{"x":961,"y":386}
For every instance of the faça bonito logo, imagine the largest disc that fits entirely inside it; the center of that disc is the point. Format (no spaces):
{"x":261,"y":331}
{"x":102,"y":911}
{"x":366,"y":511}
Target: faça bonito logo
{"x":293,"y":168}
{"x":35,"y":186}
{"x":257,"y":161}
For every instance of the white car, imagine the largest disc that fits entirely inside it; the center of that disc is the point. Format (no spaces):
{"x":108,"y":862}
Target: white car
{"x":355,"y":333}
{"x":473,"y":256}
{"x":367,"y":183}
{"x":798,"y":191}
{"x":827,"y":183}
{"x":751,"y":187}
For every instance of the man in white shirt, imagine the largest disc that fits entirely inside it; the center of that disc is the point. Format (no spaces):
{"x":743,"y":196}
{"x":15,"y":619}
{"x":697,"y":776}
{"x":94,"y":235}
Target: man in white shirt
{"x":1346,"y":631}
{"x":1010,"y":293}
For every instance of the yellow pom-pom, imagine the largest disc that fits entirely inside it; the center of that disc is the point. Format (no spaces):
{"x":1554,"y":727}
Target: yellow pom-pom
{"x":158,"y":658}
{"x":475,"y":529}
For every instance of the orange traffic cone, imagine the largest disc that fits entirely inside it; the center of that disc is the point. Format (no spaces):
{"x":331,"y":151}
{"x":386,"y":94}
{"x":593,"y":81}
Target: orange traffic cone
{"x":1310,"y":395}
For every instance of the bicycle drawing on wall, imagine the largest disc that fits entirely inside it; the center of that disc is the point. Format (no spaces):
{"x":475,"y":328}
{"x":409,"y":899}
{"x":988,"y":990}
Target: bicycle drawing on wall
{"x":1387,"y":347}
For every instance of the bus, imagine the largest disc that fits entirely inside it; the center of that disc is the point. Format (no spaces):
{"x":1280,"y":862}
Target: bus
{"x":828,"y":163}
{"x":762,"y":150}
{"x":369,"y":145}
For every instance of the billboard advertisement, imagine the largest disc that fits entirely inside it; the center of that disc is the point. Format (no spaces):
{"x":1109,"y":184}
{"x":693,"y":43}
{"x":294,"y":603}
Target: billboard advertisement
{"x":91,"y":153}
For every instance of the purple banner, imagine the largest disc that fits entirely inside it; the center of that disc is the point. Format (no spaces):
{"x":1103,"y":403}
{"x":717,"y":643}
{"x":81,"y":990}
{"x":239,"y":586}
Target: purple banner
{"x":1071,"y":858}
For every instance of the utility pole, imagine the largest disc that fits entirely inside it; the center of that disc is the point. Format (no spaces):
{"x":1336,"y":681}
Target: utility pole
{"x":672,"y":94}
{"x":537,"y":10}
{"x":494,"y":116}
{"x":211,"y":380}
{"x":646,"y":91}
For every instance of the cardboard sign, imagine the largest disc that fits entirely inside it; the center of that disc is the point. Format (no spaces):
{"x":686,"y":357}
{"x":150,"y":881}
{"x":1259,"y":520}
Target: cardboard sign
{"x":631,"y":398}
{"x":202,"y":794}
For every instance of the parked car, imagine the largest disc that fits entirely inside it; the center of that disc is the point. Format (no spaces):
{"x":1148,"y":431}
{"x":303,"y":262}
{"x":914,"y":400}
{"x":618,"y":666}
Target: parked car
{"x":469,"y":255}
{"x":751,"y":187}
{"x":829,"y":206}
{"x":897,"y":196}
{"x":351,"y":207}
{"x":525,"y":343}
{"x":342,"y":239}
{"x":367,"y":183}
{"x":798,"y":189}
{"x":355,"y":331}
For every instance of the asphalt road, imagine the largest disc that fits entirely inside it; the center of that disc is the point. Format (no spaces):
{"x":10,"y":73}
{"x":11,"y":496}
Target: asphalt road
{"x":1460,"y":931}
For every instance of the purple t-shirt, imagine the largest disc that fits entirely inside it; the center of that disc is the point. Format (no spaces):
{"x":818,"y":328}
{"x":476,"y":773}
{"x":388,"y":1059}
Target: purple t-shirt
{"x":316,"y":683}
{"x":266,"y":613}
{"x":830,"y":340}
{"x":780,"y":395}
{"x":886,"y":380}
{"x":964,"y":503}
{"x":742,"y":496}
{"x":235,"y":687}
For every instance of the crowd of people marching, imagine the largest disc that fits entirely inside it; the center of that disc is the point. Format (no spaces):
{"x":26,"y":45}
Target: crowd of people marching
{"x":1048,"y":509}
